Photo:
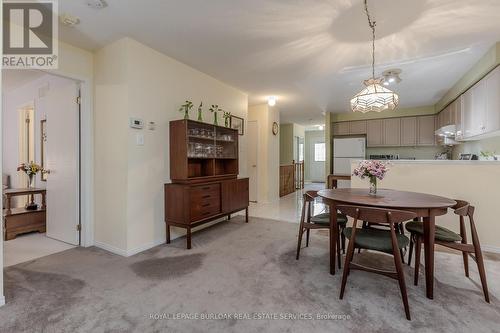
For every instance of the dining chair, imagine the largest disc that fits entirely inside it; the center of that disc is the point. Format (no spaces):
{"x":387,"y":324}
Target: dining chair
{"x":320,"y":221}
{"x":388,"y":241}
{"x":450,"y":239}
{"x":399,"y":228}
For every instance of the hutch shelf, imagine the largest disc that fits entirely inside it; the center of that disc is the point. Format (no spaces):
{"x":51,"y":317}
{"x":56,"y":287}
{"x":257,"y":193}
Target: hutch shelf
{"x":204,"y":172}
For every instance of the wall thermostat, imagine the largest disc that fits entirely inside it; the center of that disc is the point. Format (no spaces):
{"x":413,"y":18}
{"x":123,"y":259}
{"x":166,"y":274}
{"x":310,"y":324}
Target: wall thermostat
{"x":136,"y":123}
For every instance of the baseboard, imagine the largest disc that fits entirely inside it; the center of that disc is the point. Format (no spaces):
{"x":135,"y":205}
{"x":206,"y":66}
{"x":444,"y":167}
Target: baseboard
{"x":2,"y":300}
{"x":145,"y":247}
{"x":489,"y":248}
{"x":111,"y":248}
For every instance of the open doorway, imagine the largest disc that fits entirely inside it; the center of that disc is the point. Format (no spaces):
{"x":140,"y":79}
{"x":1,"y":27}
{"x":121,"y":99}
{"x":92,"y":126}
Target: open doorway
{"x":41,"y":164}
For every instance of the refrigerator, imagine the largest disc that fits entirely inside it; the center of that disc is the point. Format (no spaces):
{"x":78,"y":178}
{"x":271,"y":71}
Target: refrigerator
{"x":344,"y":151}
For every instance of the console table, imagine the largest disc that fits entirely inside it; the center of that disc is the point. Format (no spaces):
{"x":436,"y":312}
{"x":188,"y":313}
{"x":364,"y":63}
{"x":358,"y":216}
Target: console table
{"x":21,"y":220}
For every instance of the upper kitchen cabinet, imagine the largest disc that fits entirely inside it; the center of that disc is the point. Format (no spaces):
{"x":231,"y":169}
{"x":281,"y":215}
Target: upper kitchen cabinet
{"x":392,"y":132}
{"x":374,"y":133}
{"x":409,"y":131}
{"x":492,"y":122}
{"x":357,"y":127}
{"x":481,"y":108}
{"x":342,"y":128}
{"x":425,"y":131}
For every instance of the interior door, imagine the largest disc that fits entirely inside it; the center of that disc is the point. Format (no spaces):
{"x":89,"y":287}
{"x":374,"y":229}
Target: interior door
{"x":62,"y":149}
{"x":253,"y":136}
{"x":317,"y":157}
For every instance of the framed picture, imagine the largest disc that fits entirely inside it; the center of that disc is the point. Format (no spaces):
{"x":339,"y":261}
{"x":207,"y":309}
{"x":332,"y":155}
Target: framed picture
{"x":238,"y":123}
{"x":43,"y":143}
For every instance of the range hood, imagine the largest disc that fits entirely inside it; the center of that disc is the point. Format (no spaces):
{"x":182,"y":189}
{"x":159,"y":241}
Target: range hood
{"x":448,"y":131}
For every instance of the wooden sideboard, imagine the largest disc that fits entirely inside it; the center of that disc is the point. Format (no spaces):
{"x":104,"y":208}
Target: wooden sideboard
{"x":204,"y":171}
{"x":21,"y":220}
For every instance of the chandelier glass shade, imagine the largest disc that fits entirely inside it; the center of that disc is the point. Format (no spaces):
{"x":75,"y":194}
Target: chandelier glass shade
{"x":374,"y":98}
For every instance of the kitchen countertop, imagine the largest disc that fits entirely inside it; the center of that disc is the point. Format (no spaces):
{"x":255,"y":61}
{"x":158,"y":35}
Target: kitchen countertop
{"x":441,"y":162}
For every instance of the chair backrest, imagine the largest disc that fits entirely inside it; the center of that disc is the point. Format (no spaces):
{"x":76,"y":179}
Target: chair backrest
{"x":310,"y":195}
{"x":463,"y":208}
{"x":376,"y":215}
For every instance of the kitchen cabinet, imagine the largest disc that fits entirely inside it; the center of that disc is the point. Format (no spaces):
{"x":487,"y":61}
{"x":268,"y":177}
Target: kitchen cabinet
{"x":492,"y":121}
{"x":374,"y":133}
{"x":357,"y":127}
{"x":409,"y":131}
{"x":458,"y":117}
{"x":392,"y":132}
{"x":425,"y":131}
{"x":341,"y":128}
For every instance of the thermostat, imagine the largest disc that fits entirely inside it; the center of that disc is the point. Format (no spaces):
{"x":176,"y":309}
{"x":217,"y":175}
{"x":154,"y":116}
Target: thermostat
{"x":136,"y":123}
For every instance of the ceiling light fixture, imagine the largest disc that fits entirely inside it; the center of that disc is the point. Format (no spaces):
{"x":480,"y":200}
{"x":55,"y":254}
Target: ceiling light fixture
{"x":391,"y":76}
{"x":69,"y":20}
{"x":320,"y":127}
{"x":271,"y":101}
{"x":374,"y":97}
{"x":97,"y":4}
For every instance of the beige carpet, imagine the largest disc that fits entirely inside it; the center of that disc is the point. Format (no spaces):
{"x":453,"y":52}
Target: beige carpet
{"x":238,"y":270}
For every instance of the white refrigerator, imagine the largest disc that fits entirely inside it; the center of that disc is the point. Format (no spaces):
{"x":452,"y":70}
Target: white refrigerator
{"x":344,"y":151}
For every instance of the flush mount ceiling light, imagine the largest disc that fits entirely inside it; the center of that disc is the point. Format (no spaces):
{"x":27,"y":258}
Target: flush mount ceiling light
{"x":373,"y":97}
{"x":69,"y":20}
{"x":271,"y":100}
{"x":97,"y":4}
{"x":391,"y":76}
{"x":320,"y":127}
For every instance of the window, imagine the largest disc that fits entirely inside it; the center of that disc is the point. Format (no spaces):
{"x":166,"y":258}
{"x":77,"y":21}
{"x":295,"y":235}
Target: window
{"x":301,"y":151}
{"x":319,"y":152}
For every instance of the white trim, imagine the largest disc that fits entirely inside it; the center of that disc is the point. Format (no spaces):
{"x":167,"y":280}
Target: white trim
{"x":489,"y":248}
{"x":145,"y":247}
{"x":111,"y":248}
{"x":2,"y":300}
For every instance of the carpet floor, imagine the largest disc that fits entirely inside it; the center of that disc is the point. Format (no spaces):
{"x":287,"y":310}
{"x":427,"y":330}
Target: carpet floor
{"x":238,"y":278}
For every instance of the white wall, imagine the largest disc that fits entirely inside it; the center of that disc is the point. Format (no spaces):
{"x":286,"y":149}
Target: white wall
{"x":268,"y":155}
{"x":133,"y":80}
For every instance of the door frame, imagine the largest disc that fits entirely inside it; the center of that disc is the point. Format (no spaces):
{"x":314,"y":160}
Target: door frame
{"x":249,"y":140}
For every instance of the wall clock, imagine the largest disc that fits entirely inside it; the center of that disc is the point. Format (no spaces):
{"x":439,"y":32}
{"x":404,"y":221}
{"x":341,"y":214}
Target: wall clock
{"x":275,"y":128}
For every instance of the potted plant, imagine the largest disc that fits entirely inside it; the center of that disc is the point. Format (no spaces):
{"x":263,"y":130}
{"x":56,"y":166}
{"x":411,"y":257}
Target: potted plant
{"x":214,"y":109}
{"x":188,"y":105}
{"x":373,"y":170}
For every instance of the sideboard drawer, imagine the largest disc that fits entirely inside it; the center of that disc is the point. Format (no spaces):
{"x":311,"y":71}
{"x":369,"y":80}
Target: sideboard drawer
{"x":210,"y":192}
{"x":202,"y":210}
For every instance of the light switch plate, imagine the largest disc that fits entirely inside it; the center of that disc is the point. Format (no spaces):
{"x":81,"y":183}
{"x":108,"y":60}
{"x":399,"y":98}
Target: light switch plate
{"x":139,"y":139}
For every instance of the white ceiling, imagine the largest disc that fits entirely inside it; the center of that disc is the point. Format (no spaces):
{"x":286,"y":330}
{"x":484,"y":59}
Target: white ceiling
{"x":312,"y":54}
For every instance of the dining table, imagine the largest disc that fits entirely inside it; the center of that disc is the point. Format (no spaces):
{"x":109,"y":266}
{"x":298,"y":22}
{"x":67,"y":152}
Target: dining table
{"x":426,"y":206}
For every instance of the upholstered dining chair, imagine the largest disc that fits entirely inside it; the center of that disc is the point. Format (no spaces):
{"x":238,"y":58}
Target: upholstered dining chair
{"x":320,"y":221}
{"x":388,"y":241}
{"x":450,"y":239}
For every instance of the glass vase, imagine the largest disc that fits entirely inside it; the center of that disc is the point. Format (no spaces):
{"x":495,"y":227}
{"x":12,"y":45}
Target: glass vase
{"x":216,"y":122}
{"x":30,"y":180}
{"x":186,"y":114}
{"x":200,"y":117}
{"x":373,"y":185}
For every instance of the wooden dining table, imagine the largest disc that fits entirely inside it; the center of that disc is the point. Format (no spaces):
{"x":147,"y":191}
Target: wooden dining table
{"x":426,"y":206}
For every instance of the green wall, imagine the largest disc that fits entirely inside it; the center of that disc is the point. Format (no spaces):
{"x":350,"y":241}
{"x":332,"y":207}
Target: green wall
{"x":287,"y":134}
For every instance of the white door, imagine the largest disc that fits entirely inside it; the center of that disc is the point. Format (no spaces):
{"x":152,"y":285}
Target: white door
{"x":253,"y":136}
{"x":62,"y":161}
{"x":317,"y":157}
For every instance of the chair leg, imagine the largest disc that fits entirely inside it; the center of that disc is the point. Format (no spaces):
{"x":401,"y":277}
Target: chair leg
{"x":418,"y":249}
{"x":299,"y":244}
{"x":343,"y":240}
{"x":465,"y":255}
{"x":307,"y":237}
{"x":339,"y":254}
{"x":480,"y":262}
{"x":347,"y":263}
{"x":401,"y":279}
{"x":410,"y":250}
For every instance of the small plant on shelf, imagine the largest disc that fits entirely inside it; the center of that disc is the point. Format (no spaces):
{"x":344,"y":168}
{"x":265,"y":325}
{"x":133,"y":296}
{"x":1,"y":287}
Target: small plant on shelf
{"x":227,"y":118}
{"x":214,"y":109}
{"x":373,"y":170}
{"x":200,"y":110}
{"x":186,"y":107}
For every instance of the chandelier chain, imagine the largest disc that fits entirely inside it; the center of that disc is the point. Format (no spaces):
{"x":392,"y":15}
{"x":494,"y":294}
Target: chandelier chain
{"x":372,"y":25}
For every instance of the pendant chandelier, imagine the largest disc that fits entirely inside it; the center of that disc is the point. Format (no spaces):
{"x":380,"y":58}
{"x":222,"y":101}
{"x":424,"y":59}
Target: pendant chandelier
{"x":374,"y":97}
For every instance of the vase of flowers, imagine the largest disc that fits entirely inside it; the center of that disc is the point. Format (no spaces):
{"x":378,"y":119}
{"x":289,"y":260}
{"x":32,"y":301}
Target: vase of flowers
{"x":214,"y":109}
{"x":227,"y":118}
{"x":200,"y":110}
{"x":186,"y":107}
{"x":373,"y":170}
{"x":30,"y":169}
